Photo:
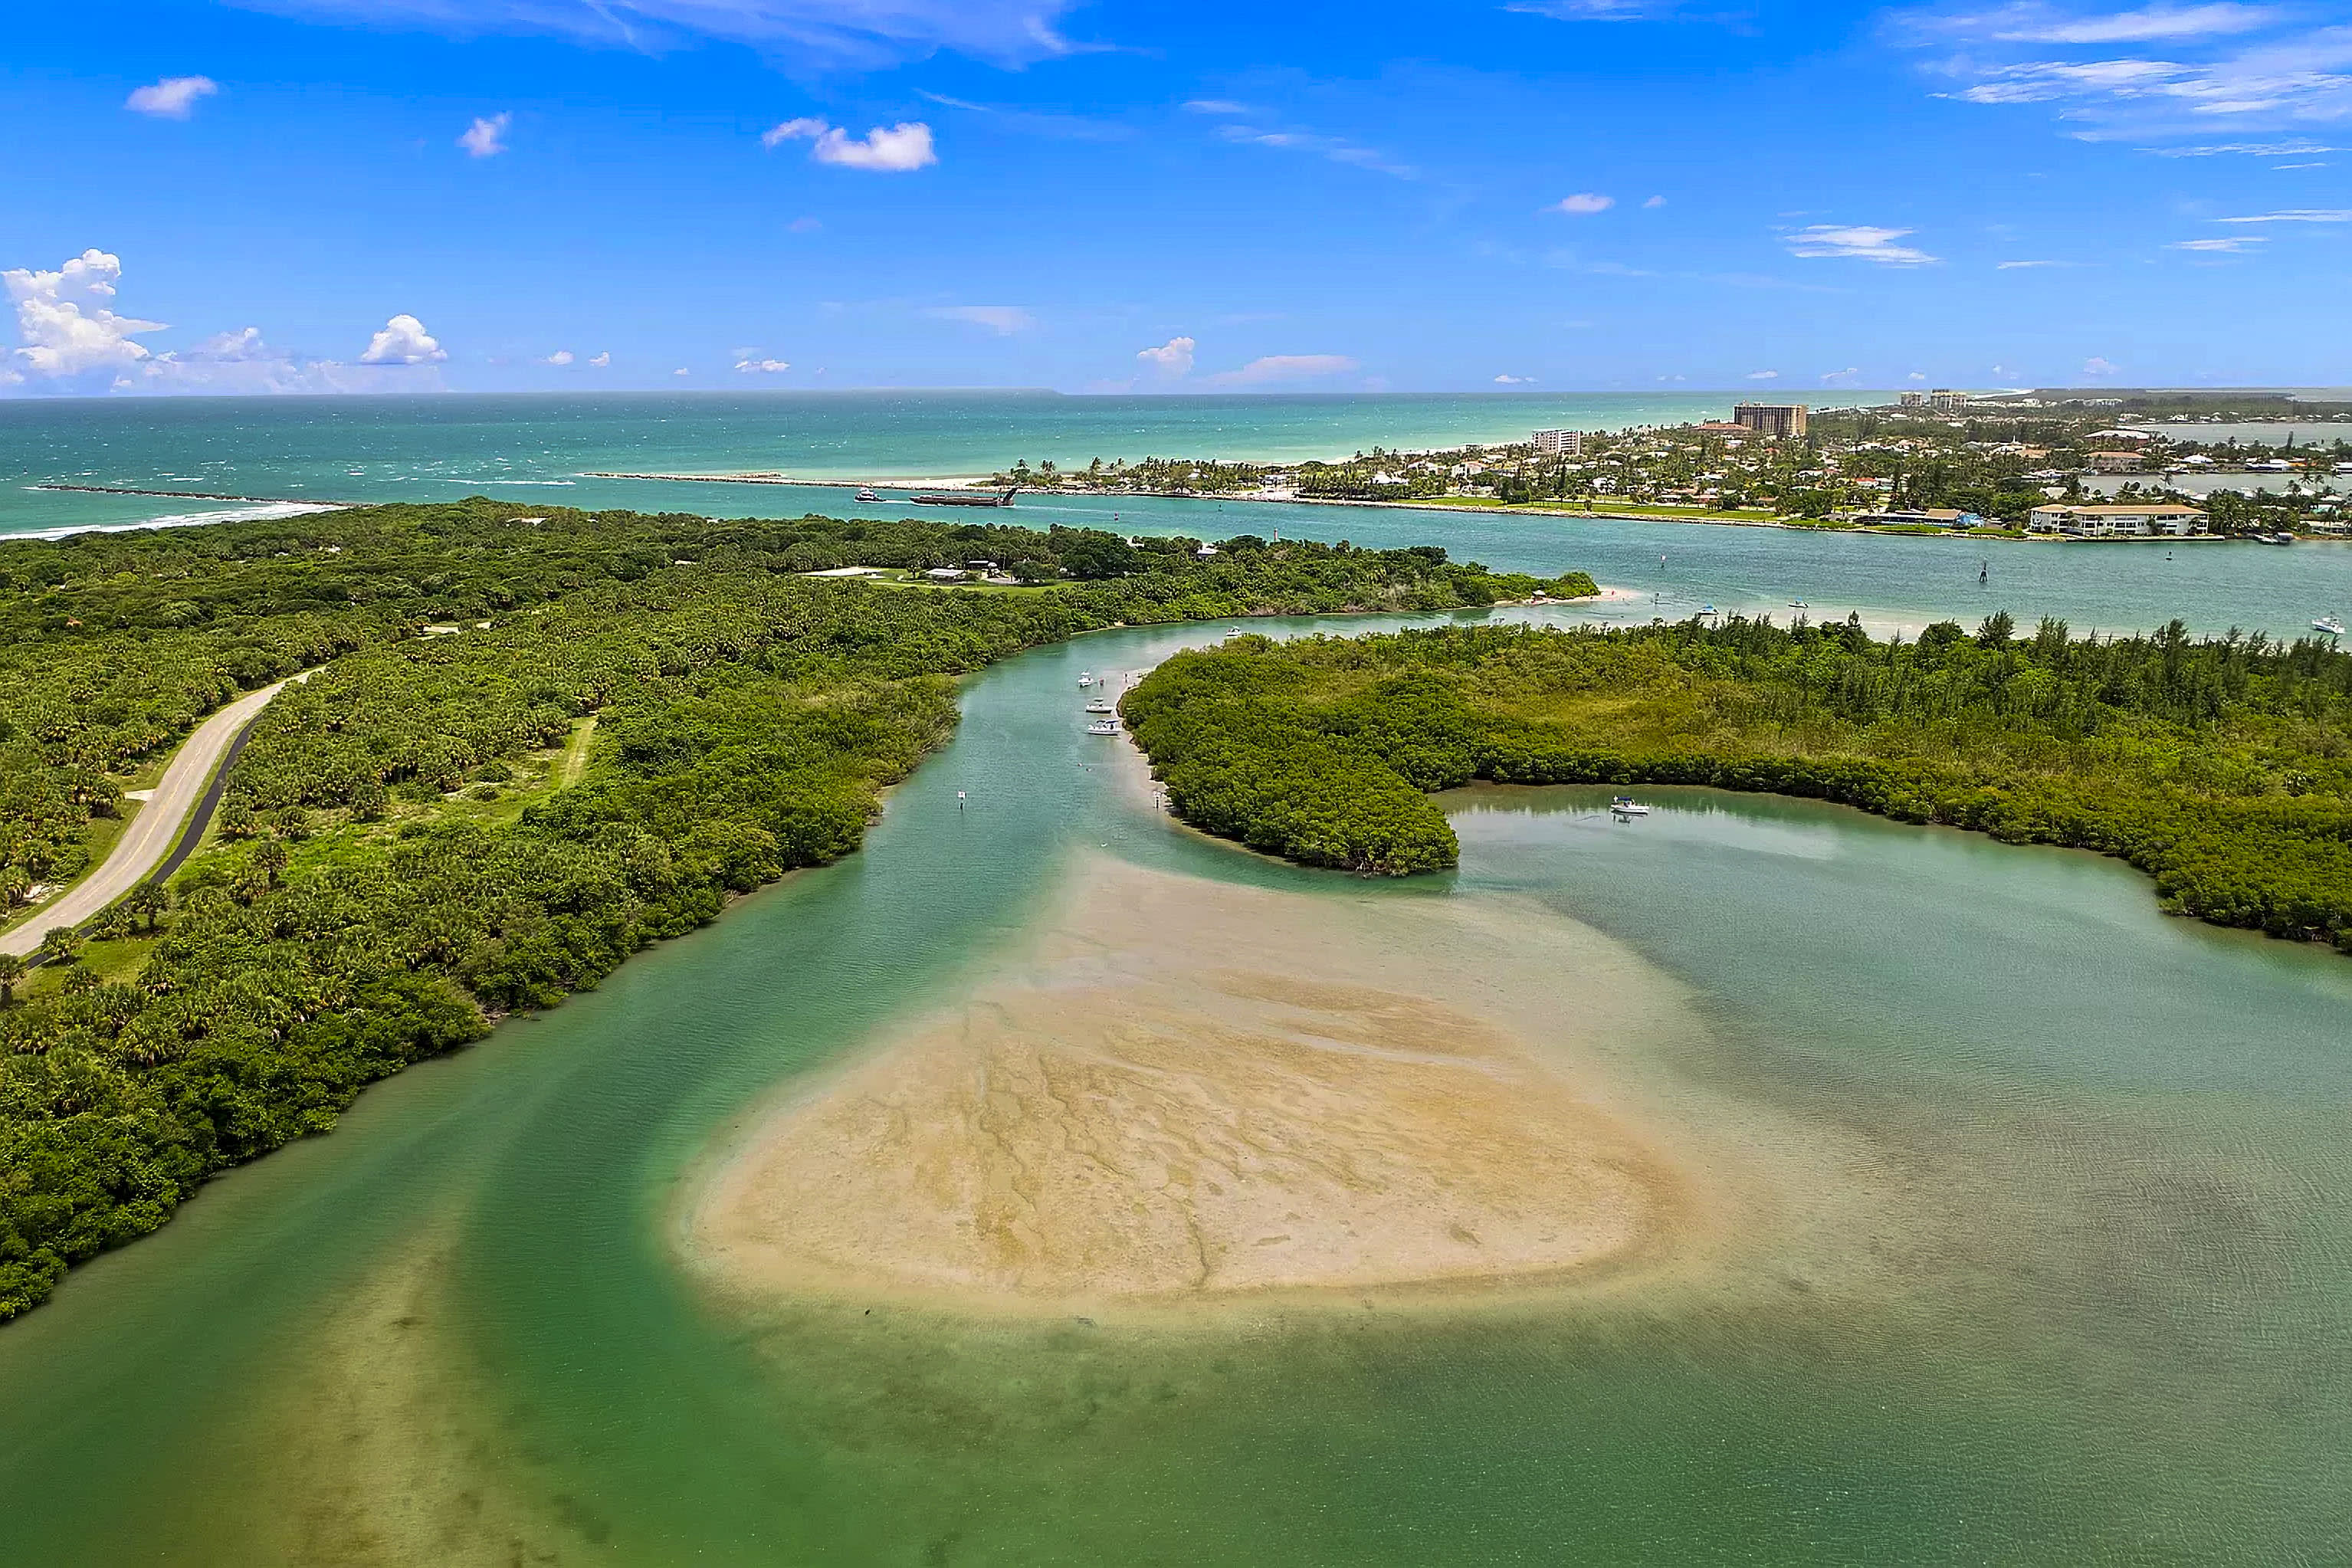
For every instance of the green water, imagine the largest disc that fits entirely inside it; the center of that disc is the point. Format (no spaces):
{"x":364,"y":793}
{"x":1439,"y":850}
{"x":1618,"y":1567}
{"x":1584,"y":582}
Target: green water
{"x":2076,"y":1285}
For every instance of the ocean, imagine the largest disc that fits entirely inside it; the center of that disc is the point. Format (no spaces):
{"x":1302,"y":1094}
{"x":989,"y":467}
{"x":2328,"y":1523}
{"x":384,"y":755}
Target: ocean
{"x":540,"y":448}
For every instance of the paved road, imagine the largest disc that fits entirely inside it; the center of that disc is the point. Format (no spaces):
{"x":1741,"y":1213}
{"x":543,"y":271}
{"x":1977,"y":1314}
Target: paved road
{"x":151,"y":832}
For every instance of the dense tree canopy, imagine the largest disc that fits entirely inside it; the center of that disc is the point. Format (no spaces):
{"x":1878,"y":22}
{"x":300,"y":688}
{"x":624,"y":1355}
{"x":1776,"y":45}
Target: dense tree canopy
{"x":527,"y":748}
{"x":2223,"y":768}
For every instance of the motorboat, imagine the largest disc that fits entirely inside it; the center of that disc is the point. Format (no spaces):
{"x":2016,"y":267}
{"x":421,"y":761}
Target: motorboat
{"x":2333,"y":625}
{"x":1799,"y":604}
{"x":1086,"y":678}
{"x":868,"y":495}
{"x":1626,"y":805}
{"x":1103,"y":727}
{"x":1100,"y":705}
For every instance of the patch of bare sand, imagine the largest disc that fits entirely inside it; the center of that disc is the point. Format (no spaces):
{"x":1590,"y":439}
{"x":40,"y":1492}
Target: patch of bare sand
{"x":1191,"y":1091}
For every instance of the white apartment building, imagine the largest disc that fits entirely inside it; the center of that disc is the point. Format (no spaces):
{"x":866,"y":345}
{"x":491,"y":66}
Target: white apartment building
{"x":2138,"y":520}
{"x":1559,"y":443}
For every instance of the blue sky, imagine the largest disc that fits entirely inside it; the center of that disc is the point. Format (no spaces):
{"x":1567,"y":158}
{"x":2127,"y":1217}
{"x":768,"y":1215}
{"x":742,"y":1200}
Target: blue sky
{"x":488,"y":194}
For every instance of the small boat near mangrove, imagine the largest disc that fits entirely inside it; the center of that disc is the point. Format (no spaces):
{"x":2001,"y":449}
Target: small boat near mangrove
{"x":1086,"y":678}
{"x":1100,"y":705}
{"x":1103,"y":727}
{"x":1626,"y":805}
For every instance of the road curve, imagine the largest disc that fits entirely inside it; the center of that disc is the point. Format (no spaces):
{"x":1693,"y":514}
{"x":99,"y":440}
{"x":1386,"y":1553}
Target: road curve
{"x":152,"y":830}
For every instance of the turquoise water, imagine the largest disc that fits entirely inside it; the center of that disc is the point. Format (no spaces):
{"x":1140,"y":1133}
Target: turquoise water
{"x":533,"y":449}
{"x":537,"y":447}
{"x":2069,"y":1280}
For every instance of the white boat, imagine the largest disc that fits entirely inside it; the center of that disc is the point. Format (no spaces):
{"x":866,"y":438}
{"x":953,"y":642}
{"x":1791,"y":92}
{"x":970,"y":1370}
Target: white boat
{"x":868,"y":495}
{"x":2328,"y":624}
{"x":1086,"y":678}
{"x":1626,"y":805}
{"x":1103,"y":727}
{"x":1100,"y":705}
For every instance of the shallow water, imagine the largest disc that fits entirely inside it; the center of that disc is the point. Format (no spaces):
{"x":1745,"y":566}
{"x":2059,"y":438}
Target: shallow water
{"x":2069,"y":1278}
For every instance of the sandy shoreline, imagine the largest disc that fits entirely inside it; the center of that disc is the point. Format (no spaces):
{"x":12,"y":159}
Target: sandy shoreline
{"x":1194,"y":1094}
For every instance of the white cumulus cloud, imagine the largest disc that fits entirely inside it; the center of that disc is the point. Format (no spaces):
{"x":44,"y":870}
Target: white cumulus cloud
{"x":1273,"y":369}
{"x":1506,"y":379}
{"x":1763,"y":375}
{"x":560,"y":356}
{"x":602,"y":360}
{"x":1003,"y":319}
{"x":404,"y":340}
{"x":486,"y":137}
{"x":74,"y":341}
{"x":66,"y":324}
{"x":1171,"y":358}
{"x":1582,"y":203}
{"x":897,"y":150}
{"x":758,"y":367}
{"x":173,"y":97}
{"x":2096,"y":365}
{"x":1858,"y":241}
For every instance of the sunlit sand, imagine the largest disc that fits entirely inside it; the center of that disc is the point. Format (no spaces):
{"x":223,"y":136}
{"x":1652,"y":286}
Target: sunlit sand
{"x":1191,"y":1090}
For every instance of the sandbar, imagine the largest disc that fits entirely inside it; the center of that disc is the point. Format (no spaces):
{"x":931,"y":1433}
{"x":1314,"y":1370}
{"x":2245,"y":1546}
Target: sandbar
{"x":1189,"y":1091}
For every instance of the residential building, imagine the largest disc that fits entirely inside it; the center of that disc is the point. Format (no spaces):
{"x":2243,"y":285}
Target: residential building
{"x":1944,"y":400}
{"x":2138,"y":520}
{"x":1932,"y":516}
{"x":1772,"y":418}
{"x":1559,"y":443}
{"x":2113,"y":462}
{"x":1914,"y":400}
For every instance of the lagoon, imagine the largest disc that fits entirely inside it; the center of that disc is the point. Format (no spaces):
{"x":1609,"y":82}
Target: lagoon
{"x":2046,"y":1251}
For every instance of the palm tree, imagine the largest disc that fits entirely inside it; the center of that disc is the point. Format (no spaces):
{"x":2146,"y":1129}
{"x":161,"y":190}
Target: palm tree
{"x":146,"y":901}
{"x":12,"y":970}
{"x":58,"y":944}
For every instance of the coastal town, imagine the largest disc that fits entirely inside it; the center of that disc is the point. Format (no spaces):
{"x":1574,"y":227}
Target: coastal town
{"x":2053,"y":465}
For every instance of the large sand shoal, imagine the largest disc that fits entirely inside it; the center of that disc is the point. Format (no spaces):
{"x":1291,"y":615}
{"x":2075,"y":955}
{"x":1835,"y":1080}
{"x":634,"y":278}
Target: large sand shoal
{"x":1189,"y":1089}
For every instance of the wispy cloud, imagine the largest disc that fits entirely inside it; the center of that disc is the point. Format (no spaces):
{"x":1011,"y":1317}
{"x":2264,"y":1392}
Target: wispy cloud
{"x":2259,"y":68}
{"x":1274,"y":370}
{"x":2296,"y":215}
{"x":1216,"y":106}
{"x":1582,"y":204}
{"x":1337,"y":149}
{"x":860,"y":34}
{"x":1858,"y":242}
{"x":1003,"y":319}
{"x":2047,"y":25}
{"x":1763,"y":375}
{"x":1849,"y":376}
{"x":762,"y":366}
{"x":1595,"y":10}
{"x":2246,"y":149}
{"x":1506,"y":379}
{"x":2231,"y":244}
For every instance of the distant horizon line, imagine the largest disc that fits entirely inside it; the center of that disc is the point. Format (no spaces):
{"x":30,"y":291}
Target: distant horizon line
{"x":1826,"y":396}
